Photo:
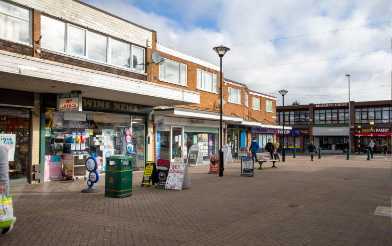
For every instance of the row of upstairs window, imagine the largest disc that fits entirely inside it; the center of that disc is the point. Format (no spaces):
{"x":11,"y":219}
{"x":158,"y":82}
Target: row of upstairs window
{"x":65,"y":38}
{"x":235,"y":97}
{"x":58,"y":36}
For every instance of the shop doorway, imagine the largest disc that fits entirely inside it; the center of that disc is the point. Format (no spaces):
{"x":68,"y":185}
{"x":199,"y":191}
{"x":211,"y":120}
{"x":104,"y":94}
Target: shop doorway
{"x":177,"y":142}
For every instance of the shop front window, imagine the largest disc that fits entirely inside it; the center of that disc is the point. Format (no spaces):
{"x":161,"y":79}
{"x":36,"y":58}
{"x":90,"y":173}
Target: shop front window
{"x":72,"y":137}
{"x":207,"y":142}
{"x":233,"y":141}
{"x":163,"y":145}
{"x":15,"y":135}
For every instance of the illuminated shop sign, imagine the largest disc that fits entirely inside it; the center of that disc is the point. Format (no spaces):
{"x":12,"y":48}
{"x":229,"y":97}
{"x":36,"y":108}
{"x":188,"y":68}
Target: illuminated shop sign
{"x":70,"y":102}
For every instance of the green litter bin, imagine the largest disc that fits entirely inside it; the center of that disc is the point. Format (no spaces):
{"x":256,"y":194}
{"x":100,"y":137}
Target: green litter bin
{"x":118,"y":178}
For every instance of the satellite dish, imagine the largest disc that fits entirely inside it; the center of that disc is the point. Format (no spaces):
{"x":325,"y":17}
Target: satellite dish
{"x":157,"y":58}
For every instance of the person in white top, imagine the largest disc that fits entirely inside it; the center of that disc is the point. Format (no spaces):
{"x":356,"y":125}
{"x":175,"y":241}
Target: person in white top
{"x":371,"y":146}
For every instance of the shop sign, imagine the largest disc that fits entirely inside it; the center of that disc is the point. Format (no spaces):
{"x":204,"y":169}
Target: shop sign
{"x":9,"y":140}
{"x":176,"y":176}
{"x":247,"y":167}
{"x":263,"y":130}
{"x":330,"y":105}
{"x":295,"y":133}
{"x":286,"y":131}
{"x":71,"y":102}
{"x":148,"y":174}
{"x":111,"y":106}
{"x":374,"y":132}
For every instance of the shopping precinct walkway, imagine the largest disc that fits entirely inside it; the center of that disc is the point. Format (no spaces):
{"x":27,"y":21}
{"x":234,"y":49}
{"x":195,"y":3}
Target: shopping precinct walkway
{"x":328,"y":202}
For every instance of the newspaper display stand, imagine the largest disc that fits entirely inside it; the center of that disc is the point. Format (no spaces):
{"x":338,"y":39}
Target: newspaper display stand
{"x":247,"y":166}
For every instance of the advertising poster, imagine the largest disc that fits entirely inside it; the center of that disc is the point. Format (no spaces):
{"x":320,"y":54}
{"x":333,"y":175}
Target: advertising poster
{"x":148,"y":174}
{"x":9,"y":140}
{"x":175,"y":178}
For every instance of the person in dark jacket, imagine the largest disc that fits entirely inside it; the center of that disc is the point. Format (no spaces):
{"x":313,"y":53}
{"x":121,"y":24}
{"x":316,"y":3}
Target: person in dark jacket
{"x":254,"y":148}
{"x":312,"y":150}
{"x":270,"y":148}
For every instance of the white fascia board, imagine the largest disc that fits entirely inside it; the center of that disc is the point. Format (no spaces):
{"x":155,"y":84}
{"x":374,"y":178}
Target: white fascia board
{"x":250,"y":123}
{"x":203,"y":115}
{"x":186,"y":57}
{"x":262,"y":95}
{"x":44,"y":69}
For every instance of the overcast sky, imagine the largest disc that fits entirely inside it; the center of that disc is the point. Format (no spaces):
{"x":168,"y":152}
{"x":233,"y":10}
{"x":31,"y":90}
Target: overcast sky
{"x":305,"y":46}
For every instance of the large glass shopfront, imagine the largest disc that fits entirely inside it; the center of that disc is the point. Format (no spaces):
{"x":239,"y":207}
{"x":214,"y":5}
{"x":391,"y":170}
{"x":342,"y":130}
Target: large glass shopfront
{"x":237,"y":139}
{"x":177,"y":139}
{"x":72,"y":137}
{"x":15,"y":130}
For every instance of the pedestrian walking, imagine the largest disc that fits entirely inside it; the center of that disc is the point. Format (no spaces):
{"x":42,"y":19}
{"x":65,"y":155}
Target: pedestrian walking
{"x":385,"y":149}
{"x":270,"y":148}
{"x":371,"y":146}
{"x":312,"y":150}
{"x":254,"y":148}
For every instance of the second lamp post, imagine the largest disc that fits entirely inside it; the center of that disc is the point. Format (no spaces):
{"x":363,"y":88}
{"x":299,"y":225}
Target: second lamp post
{"x":283,"y":93}
{"x":221,"y":51}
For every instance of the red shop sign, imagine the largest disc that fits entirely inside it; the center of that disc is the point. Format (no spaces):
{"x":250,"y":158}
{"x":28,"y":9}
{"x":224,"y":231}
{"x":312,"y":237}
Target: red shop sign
{"x":373,"y":134}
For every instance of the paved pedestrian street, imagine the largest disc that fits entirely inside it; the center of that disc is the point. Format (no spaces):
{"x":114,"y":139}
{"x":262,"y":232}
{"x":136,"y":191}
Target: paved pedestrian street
{"x":326,"y":202}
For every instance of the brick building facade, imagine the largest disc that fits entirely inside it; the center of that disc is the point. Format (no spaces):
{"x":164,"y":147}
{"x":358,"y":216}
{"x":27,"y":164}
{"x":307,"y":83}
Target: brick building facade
{"x":78,"y":81}
{"x":328,"y":125}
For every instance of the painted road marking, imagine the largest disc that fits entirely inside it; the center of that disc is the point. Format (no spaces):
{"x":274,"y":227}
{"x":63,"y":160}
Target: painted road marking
{"x":383,"y":211}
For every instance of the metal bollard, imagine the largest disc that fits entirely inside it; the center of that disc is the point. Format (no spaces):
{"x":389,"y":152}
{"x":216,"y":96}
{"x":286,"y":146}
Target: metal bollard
{"x":368,"y":154}
{"x":7,"y":218}
{"x":294,"y":153}
{"x":319,"y":153}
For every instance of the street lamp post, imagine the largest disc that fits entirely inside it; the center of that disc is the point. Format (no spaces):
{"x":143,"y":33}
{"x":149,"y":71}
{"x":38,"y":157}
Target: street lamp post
{"x":283,"y":93}
{"x":349,"y":116}
{"x":221,"y":51}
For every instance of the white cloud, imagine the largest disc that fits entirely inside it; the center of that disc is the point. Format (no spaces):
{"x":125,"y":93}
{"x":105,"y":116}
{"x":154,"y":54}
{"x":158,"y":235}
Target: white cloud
{"x":305,"y":46}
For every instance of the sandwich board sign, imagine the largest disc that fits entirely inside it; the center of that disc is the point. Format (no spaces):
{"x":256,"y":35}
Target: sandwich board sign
{"x":148,"y":174}
{"x":177,"y":176}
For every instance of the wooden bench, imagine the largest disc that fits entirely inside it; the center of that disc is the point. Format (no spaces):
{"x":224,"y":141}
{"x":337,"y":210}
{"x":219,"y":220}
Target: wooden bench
{"x":265,"y":157}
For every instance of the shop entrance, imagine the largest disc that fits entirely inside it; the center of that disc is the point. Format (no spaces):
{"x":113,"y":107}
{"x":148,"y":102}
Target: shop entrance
{"x":15,"y":130}
{"x":177,"y":142}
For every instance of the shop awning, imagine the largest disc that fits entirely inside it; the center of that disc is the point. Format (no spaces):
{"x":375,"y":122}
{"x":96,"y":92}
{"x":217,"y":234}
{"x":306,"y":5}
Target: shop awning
{"x":25,"y":73}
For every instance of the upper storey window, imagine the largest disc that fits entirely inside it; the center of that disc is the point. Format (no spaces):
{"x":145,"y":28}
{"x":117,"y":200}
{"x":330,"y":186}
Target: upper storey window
{"x":82,"y":43}
{"x":268,"y":106}
{"x":76,"y":41}
{"x":173,"y":72}
{"x":234,"y":95}
{"x":54,"y":34}
{"x":256,"y":103}
{"x":15,"y":23}
{"x":206,"y":81}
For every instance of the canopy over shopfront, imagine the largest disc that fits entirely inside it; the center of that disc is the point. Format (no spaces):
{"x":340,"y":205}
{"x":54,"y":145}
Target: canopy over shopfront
{"x":31,"y":74}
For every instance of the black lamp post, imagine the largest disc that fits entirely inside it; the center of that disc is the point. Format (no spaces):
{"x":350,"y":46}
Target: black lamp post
{"x":349,"y":117}
{"x":221,"y":51}
{"x":283,"y":93}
